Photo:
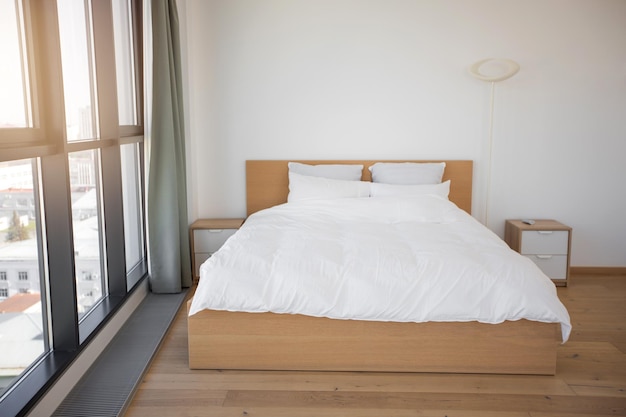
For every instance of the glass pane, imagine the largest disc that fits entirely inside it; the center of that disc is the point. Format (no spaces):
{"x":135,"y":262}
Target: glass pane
{"x":14,"y":87}
{"x":131,"y":194}
{"x":22,"y":324}
{"x":84,"y":183}
{"x":125,"y":69}
{"x":77,"y":63}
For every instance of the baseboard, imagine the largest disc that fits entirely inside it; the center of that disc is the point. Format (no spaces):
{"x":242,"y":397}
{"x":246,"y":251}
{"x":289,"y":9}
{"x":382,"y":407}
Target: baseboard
{"x":597,"y":270}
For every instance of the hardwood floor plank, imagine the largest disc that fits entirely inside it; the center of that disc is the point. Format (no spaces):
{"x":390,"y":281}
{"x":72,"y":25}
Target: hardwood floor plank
{"x":212,"y":411}
{"x":421,"y":401}
{"x":542,"y":414}
{"x":600,"y":390}
{"x":177,"y":397}
{"x":593,"y":368}
{"x":328,"y":381}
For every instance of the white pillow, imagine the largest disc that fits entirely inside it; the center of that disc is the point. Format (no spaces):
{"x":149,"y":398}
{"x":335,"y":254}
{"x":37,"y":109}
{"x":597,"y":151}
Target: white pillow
{"x":407,"y":172}
{"x":333,"y":171}
{"x":304,"y":187}
{"x":379,"y":190}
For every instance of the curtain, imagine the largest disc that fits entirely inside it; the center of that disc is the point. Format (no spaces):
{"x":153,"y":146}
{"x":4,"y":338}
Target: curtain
{"x":168,"y":237}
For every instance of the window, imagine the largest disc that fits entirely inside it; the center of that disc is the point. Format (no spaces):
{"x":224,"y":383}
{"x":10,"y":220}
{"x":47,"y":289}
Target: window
{"x":71,"y":184}
{"x":85,"y":188}
{"x":133,"y":209}
{"x":125,"y":63}
{"x":75,"y":30}
{"x":20,"y":248}
{"x":15,"y":107}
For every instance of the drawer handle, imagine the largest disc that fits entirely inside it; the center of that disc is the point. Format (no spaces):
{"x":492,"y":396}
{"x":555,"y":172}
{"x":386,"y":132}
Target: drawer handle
{"x":215,"y":230}
{"x":544,"y":256}
{"x":544,"y":232}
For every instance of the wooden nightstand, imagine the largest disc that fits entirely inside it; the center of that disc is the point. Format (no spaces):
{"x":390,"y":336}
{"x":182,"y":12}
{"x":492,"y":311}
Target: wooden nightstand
{"x":207,"y":236}
{"x":547,"y":243}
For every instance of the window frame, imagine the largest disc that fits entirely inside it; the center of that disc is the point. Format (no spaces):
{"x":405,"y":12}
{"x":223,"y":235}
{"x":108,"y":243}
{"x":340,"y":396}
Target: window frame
{"x":45,"y":90}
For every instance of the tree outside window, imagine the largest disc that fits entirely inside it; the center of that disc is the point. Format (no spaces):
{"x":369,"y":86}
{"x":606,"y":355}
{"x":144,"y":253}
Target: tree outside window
{"x":17,"y":230}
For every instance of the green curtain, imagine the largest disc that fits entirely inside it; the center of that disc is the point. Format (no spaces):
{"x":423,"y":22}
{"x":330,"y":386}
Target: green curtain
{"x":168,"y":237}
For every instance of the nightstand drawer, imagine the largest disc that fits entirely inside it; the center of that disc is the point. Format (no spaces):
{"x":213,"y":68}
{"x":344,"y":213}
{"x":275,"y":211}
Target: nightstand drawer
{"x":210,"y":240}
{"x":548,"y":242}
{"x":207,"y":236}
{"x":554,"y":266}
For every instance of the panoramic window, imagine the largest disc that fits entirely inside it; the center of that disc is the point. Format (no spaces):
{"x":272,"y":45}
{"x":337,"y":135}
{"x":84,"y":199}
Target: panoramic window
{"x":72,"y":242}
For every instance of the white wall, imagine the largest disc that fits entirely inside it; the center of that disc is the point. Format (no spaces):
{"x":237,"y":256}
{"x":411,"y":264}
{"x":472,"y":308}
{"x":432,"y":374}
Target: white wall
{"x":282,"y":79}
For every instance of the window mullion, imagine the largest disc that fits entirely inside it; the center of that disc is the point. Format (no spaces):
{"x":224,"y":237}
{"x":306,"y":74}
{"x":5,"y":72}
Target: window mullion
{"x":114,"y":219}
{"x":47,"y":90}
{"x":60,"y":246}
{"x":43,"y":253}
{"x":105,"y":68}
{"x":137,"y":15}
{"x":104,"y":43}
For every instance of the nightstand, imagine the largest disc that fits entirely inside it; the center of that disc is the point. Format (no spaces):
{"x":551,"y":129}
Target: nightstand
{"x":547,"y":243}
{"x":207,"y":236}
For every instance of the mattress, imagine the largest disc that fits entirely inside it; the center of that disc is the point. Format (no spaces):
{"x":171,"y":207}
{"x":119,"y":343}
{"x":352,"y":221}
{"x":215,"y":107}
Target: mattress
{"x":392,"y":258}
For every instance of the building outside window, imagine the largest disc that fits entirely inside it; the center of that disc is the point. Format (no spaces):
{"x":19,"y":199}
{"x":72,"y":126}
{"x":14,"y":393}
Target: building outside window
{"x":20,"y":306}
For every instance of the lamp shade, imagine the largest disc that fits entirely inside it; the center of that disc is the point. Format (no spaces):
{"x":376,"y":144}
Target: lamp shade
{"x":494,"y":69}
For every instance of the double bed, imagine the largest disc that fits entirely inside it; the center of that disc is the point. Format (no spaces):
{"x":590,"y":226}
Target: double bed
{"x":286,"y":291}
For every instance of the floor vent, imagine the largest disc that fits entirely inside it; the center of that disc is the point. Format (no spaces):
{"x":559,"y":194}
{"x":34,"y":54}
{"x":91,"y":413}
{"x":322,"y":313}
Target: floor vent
{"x":110,"y":382}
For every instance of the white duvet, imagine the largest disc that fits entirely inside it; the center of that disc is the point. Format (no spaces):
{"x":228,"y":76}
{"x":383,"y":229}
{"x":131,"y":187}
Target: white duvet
{"x":405,"y":259}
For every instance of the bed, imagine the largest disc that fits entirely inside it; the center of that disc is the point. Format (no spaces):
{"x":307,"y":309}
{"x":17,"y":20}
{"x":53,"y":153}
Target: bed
{"x":255,"y":337}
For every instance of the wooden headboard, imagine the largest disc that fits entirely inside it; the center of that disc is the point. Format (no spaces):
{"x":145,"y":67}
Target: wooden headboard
{"x":267,"y":182}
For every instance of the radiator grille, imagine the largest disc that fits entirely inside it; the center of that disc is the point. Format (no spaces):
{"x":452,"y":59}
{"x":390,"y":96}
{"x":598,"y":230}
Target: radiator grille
{"x":110,"y":382}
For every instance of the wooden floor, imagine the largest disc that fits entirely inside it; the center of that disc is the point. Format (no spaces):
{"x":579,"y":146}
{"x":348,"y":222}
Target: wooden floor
{"x":590,"y":379}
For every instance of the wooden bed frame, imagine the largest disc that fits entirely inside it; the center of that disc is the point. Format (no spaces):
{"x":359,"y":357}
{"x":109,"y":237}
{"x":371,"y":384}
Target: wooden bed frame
{"x":268,"y":341}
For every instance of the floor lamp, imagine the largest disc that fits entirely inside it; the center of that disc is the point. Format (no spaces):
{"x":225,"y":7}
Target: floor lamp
{"x":492,"y":70}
